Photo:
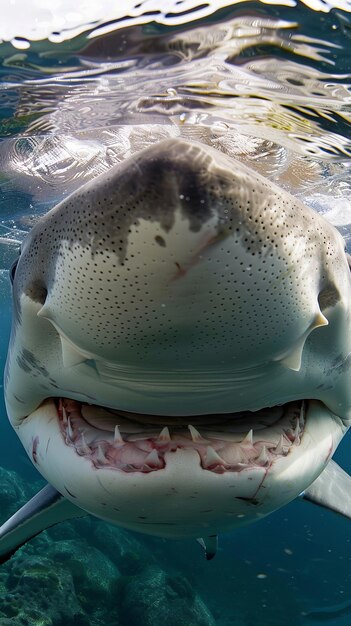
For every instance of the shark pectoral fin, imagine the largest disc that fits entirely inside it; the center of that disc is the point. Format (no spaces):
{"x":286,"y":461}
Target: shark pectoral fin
{"x":332,"y":490}
{"x":210,"y":545}
{"x":45,"y":509}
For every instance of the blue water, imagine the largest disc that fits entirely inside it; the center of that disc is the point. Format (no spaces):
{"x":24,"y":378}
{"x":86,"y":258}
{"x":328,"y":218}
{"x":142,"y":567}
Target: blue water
{"x":267,"y":83}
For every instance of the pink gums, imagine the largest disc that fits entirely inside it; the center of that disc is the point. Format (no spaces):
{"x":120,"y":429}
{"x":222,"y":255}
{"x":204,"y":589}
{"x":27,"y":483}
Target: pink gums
{"x":145,"y":451}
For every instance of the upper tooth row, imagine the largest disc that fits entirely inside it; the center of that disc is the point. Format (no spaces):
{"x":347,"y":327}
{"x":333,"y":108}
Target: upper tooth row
{"x":164,"y":436}
{"x":226,"y":456}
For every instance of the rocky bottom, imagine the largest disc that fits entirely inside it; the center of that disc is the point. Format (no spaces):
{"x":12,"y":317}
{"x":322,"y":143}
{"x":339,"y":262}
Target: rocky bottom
{"x":131,"y":442}
{"x":89,"y":573}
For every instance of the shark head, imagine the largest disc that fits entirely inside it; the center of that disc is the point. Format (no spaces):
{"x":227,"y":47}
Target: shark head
{"x":179,"y":362}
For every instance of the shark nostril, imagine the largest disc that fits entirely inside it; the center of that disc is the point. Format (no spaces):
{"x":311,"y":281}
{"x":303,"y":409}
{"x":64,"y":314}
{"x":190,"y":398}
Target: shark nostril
{"x":37,"y":291}
{"x":328,"y":297}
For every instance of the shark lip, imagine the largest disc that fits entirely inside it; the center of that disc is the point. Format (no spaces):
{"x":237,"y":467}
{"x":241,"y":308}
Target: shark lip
{"x":130,"y":442}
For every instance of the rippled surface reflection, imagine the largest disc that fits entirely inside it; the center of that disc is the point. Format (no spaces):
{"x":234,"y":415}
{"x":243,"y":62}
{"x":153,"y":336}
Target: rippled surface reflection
{"x":266,"y":85}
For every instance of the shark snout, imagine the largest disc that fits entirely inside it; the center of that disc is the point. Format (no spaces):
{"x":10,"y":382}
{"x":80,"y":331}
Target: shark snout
{"x":181,"y":256}
{"x":182,"y":268}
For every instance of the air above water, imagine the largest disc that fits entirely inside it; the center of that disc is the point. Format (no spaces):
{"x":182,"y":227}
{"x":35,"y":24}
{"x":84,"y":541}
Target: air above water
{"x":82,"y":88}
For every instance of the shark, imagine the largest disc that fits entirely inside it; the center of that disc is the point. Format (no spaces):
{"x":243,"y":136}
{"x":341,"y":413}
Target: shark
{"x":180,"y":353}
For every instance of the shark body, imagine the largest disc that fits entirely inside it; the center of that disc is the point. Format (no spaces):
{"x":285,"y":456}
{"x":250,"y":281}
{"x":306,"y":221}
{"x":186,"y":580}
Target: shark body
{"x":179,"y":362}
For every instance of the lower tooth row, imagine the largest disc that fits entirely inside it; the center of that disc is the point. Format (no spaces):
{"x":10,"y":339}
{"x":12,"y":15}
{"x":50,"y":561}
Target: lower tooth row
{"x":226,"y":457}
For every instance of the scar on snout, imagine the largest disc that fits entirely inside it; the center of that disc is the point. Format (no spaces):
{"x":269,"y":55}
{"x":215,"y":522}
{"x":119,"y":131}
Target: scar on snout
{"x":181,"y":271}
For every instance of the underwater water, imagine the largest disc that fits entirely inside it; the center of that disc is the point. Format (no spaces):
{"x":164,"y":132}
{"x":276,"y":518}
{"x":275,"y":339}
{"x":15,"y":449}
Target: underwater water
{"x":82,"y":88}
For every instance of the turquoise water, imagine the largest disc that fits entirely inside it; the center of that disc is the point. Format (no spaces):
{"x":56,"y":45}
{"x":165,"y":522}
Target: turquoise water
{"x":269,"y":84}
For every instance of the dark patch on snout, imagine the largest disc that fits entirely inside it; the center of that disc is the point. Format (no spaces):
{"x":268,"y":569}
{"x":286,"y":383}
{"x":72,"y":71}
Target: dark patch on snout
{"x":177,"y":182}
{"x":152,"y":185}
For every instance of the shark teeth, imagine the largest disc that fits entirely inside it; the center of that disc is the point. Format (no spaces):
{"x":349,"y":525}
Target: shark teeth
{"x":69,"y":429}
{"x":248,"y":440}
{"x":195,"y":435}
{"x":100,"y":455}
{"x":83,"y":447}
{"x":281,"y":447}
{"x":212,"y":457}
{"x":296,"y":432}
{"x":164,"y":436}
{"x":302,"y":415}
{"x":64,"y":415}
{"x":117,"y":437}
{"x":106,"y":443}
{"x":152,"y":460}
{"x":263,"y":458}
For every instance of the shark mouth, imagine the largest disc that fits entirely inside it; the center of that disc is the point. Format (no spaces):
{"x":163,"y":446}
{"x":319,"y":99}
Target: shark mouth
{"x":132,"y":442}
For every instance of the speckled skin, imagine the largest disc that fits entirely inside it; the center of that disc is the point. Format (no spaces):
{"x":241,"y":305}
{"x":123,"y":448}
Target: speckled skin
{"x":181,"y":283}
{"x":181,"y":273}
